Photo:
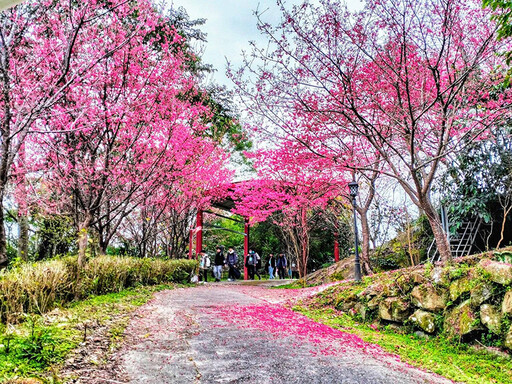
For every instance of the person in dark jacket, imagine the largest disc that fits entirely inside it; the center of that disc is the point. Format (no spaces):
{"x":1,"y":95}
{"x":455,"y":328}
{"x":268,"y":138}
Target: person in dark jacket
{"x":271,"y":266}
{"x":232,"y":262}
{"x":218,"y":263}
{"x":281,"y":265}
{"x":250,"y":264}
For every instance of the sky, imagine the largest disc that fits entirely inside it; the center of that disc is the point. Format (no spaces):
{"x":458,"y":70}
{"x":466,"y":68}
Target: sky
{"x":230,"y":25}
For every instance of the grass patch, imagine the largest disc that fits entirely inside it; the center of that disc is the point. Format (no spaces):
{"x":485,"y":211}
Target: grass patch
{"x":37,"y":288}
{"x":455,"y":361}
{"x":296,"y":284}
{"x":37,"y":347}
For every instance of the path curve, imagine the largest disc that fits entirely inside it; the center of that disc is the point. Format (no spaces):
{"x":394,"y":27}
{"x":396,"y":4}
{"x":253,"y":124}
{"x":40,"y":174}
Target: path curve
{"x":229,"y":333}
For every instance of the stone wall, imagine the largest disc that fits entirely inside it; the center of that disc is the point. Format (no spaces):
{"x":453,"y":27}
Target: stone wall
{"x":463,"y":300}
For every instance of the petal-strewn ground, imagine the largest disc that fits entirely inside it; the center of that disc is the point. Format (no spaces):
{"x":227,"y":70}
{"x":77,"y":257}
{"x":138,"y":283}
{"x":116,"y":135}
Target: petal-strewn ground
{"x":243,"y":334}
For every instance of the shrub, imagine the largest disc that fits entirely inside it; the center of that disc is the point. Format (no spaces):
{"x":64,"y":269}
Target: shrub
{"x":39,"y":287}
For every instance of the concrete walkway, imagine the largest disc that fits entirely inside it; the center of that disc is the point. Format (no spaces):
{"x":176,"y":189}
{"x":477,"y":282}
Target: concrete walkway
{"x":227,"y":333}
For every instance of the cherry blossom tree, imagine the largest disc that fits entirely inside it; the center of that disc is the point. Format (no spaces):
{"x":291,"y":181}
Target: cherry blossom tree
{"x":48,"y":48}
{"x":411,"y":80}
{"x":128,"y":133}
{"x":292,"y":187}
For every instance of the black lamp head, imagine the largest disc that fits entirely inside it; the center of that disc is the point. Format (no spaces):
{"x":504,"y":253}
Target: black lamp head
{"x":353,"y":186}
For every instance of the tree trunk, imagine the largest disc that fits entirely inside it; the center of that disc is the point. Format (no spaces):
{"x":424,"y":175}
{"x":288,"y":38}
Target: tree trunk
{"x":506,"y":211}
{"x":23,"y":236}
{"x":3,"y":241}
{"x":443,"y":246}
{"x":303,"y":270}
{"x":83,"y":237}
{"x":365,"y":254}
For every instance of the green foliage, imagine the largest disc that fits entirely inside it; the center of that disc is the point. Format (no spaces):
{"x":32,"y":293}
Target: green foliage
{"x":216,"y":236}
{"x":37,"y":346}
{"x":411,"y":242}
{"x":54,"y":235}
{"x":503,"y":19}
{"x":39,"y":287}
{"x":478,"y":177}
{"x":265,"y":238}
{"x":504,"y":257}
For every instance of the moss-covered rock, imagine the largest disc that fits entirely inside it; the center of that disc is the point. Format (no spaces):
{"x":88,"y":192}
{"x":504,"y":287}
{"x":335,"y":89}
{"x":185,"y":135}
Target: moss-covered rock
{"x":391,"y":289}
{"x":508,"y":339}
{"x":490,"y":316}
{"x":440,"y":276}
{"x":424,"y":320}
{"x":428,"y":297}
{"x":461,"y":320}
{"x":506,"y":305}
{"x":500,"y":273}
{"x":481,"y":293}
{"x":394,"y":309}
{"x":360,"y":309}
{"x":372,"y":290}
{"x":373,"y":303}
{"x":458,"y":287}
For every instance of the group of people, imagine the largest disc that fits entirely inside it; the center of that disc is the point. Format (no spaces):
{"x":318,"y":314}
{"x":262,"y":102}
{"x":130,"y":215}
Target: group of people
{"x":219,"y":262}
{"x":277,"y":267}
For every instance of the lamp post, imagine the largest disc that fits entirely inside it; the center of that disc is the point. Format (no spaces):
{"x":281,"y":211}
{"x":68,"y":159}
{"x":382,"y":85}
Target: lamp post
{"x":353,"y":187}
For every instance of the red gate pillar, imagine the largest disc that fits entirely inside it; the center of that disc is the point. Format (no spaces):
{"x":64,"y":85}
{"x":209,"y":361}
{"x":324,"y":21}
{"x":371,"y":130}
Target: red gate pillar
{"x":246,"y":247}
{"x":190,"y":243}
{"x":199,"y":234}
{"x":336,"y":248}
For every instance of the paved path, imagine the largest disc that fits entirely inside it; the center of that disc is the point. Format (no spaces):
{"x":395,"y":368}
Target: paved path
{"x":242,"y":334}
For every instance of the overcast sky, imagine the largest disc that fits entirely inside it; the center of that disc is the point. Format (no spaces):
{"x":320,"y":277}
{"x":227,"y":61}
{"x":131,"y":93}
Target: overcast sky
{"x":230,"y":25}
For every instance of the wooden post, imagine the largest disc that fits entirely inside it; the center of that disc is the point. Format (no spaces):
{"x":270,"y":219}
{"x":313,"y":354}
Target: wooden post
{"x":199,"y":233}
{"x":190,"y":244}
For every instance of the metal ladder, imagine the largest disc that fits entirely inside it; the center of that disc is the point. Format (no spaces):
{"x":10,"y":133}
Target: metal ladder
{"x":461,"y":243}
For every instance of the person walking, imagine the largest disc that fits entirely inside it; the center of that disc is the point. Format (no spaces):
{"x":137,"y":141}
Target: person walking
{"x":204,"y":265}
{"x":295,"y":271}
{"x":271,"y":265}
{"x":218,"y":263}
{"x":250,"y":264}
{"x":281,"y":266}
{"x":256,"y":263}
{"x":232,"y":262}
{"x":278,"y":266}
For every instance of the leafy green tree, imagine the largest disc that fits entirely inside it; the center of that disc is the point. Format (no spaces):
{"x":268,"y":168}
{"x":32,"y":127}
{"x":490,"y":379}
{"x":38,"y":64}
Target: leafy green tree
{"x":479,"y":181}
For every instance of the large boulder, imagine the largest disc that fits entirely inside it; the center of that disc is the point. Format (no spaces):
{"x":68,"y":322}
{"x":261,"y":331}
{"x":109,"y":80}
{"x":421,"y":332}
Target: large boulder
{"x":424,"y":320}
{"x":427,"y":297}
{"x":360,"y":310}
{"x":461,"y":320}
{"x":481,"y":293}
{"x":458,"y":287}
{"x":346,"y":302}
{"x":391,"y":289}
{"x":342,"y":270}
{"x":506,"y":305}
{"x":394,"y":309}
{"x":500,"y":273}
{"x":490,"y":316}
{"x":373,"y":303}
{"x":440,"y":276}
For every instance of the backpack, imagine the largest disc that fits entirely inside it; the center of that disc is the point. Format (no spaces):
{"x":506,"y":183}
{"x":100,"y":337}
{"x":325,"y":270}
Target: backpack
{"x":249,"y":261}
{"x":207,"y":262}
